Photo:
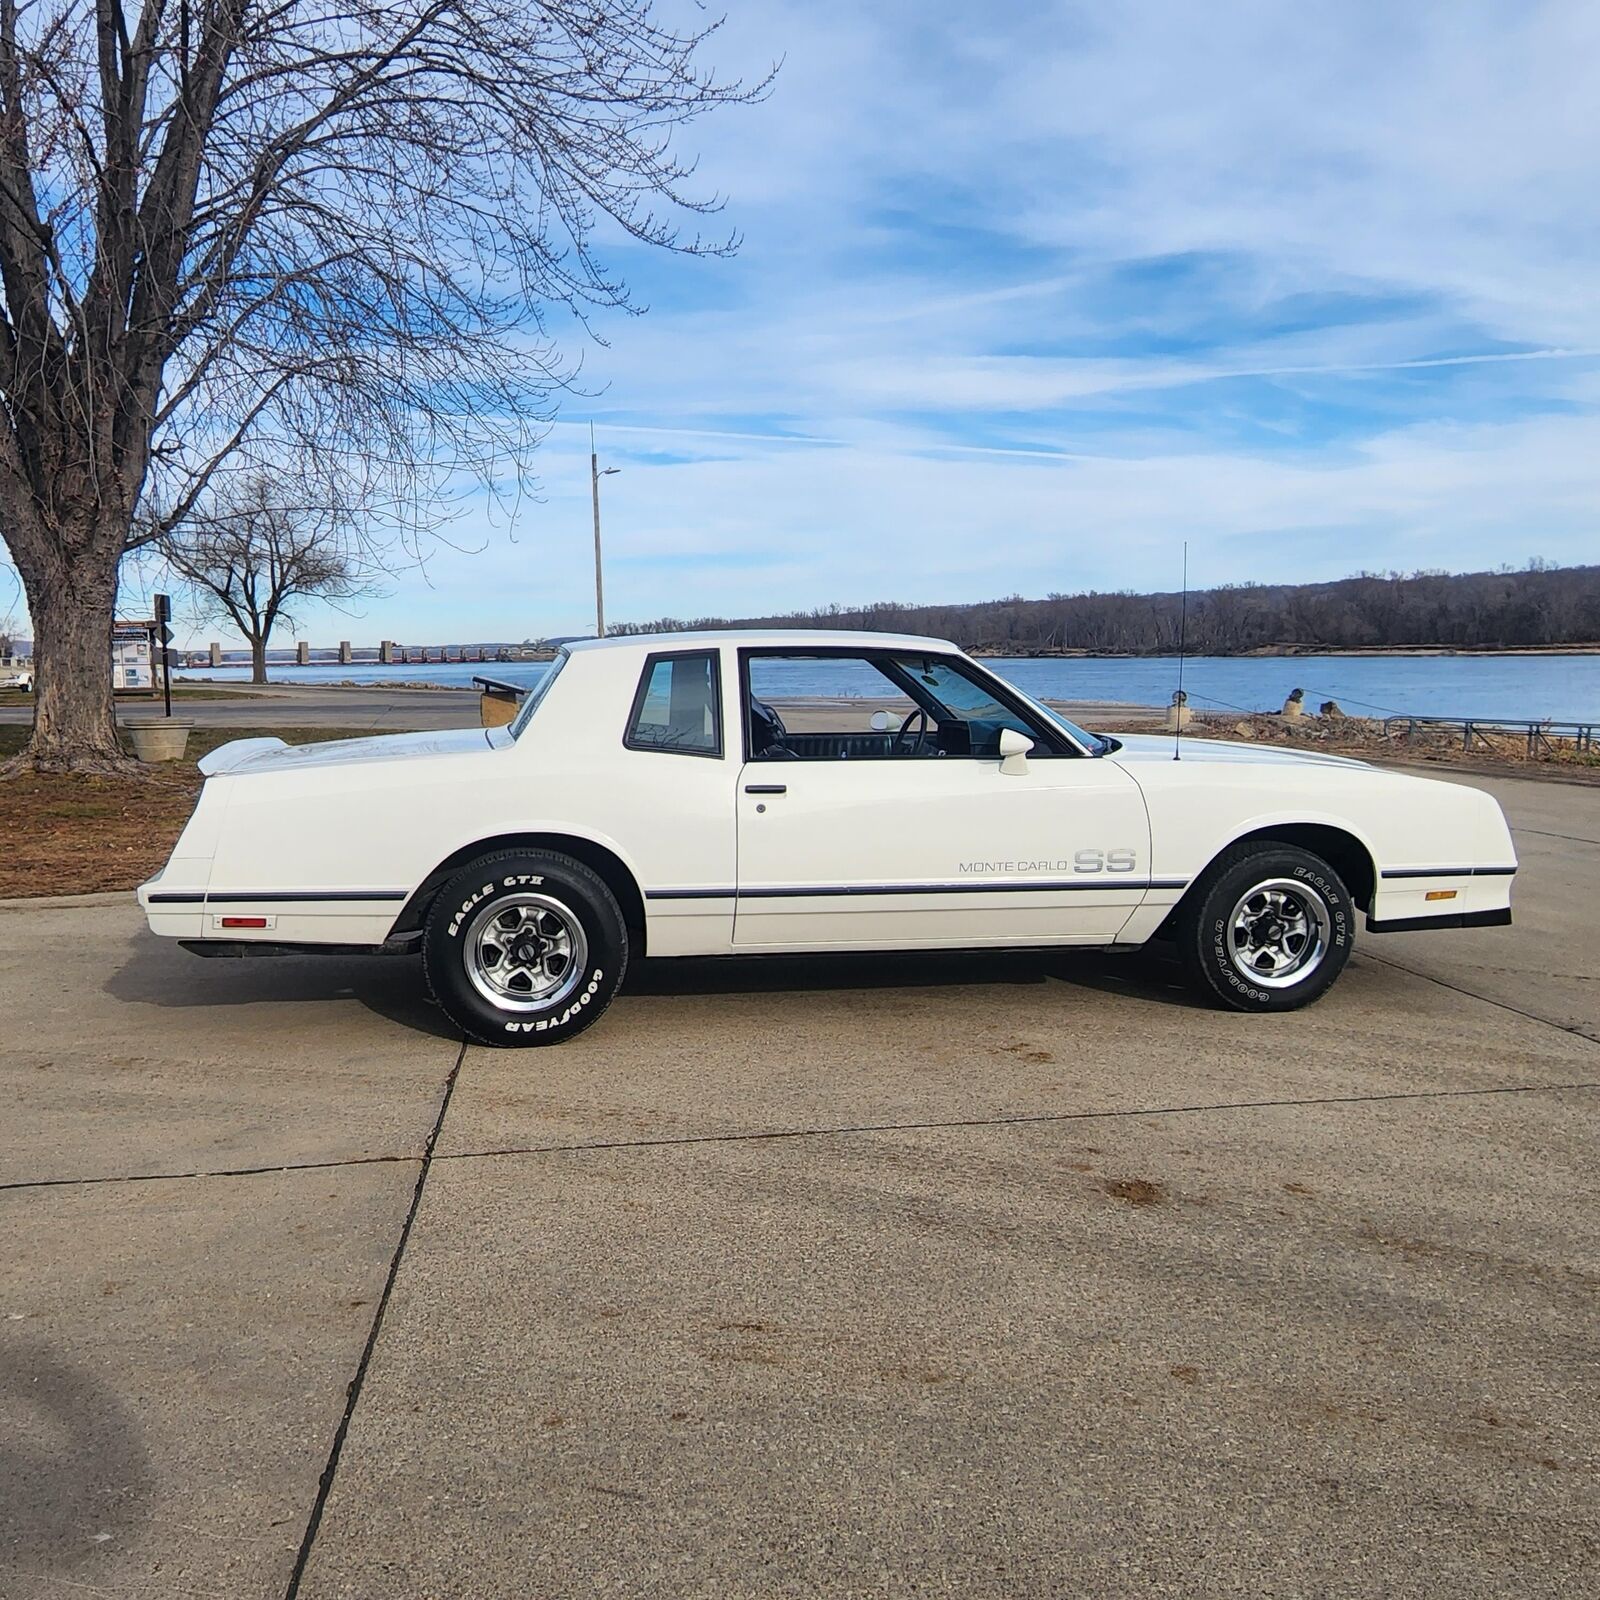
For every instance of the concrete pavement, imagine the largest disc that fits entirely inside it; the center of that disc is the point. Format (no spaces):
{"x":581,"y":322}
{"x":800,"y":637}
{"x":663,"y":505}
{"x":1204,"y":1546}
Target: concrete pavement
{"x":981,"y":1276}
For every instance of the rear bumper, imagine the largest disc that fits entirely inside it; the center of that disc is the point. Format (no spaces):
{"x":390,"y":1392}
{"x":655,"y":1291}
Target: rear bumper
{"x":1499,"y":917}
{"x":326,"y":918}
{"x":173,"y":901}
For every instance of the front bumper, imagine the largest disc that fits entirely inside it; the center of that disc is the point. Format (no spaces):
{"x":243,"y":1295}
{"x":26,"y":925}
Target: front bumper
{"x":1498,"y":917}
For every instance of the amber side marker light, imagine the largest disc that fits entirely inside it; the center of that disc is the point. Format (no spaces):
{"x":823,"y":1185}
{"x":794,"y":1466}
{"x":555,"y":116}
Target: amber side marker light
{"x":1441,"y":894}
{"x":261,"y":922}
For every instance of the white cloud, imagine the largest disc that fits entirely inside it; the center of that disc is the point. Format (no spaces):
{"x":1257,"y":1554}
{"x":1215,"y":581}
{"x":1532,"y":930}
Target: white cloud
{"x":1376,"y":348}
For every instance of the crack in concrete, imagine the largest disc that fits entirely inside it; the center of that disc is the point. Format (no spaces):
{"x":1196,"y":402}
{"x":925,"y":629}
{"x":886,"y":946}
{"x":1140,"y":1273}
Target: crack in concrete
{"x":831,"y":1130}
{"x":1023,"y":1119}
{"x":1576,"y":1030}
{"x":353,"y":1394}
{"x":209,"y":1172}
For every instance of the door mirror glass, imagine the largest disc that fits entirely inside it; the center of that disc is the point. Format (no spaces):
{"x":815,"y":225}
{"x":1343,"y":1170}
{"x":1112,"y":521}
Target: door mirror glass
{"x":881,"y":721}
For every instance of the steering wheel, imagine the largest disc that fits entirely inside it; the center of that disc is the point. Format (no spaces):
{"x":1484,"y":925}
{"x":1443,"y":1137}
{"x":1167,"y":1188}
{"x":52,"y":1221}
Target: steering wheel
{"x":903,"y":743}
{"x":769,"y":731}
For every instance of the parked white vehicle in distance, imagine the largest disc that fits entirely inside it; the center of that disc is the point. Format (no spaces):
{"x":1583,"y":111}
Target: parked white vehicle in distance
{"x":649,"y":798}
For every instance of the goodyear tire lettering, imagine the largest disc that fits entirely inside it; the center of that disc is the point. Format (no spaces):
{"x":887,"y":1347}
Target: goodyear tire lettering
{"x":544,"y":1024}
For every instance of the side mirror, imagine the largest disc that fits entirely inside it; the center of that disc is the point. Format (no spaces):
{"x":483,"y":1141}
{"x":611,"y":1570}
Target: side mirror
{"x":1014,"y":748}
{"x":881,"y":721}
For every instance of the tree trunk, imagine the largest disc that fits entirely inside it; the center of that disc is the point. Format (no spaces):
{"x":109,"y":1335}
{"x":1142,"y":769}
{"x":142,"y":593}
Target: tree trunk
{"x":74,"y":727}
{"x":258,"y":660}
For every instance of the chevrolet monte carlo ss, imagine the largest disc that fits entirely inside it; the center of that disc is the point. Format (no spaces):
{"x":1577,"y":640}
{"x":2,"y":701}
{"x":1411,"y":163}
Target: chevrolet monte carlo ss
{"x":650,"y":798}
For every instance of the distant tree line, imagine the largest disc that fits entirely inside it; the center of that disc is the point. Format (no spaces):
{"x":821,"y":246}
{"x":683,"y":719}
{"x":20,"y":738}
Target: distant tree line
{"x":1540,"y":605}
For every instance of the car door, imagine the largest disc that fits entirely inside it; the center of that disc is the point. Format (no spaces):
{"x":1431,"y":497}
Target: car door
{"x":898,"y":853}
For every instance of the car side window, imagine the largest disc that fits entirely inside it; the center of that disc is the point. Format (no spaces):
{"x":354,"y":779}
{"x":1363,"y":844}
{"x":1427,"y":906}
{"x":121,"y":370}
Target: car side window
{"x":678,"y":706}
{"x":886,"y":706}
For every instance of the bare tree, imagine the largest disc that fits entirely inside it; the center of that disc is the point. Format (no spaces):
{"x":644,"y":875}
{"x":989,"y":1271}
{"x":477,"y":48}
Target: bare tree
{"x":279,"y":229}
{"x":258,"y":544}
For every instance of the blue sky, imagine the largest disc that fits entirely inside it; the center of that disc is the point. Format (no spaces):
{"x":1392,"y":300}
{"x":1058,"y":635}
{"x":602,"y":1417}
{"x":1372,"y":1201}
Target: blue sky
{"x":1031,"y":294}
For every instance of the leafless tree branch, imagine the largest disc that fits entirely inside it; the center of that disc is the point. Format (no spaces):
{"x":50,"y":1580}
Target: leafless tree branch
{"x":260,"y":541}
{"x":238,"y":233}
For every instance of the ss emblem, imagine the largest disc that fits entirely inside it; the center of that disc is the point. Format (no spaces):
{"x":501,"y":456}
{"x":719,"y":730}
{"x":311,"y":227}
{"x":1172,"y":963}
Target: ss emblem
{"x":1104,"y":860}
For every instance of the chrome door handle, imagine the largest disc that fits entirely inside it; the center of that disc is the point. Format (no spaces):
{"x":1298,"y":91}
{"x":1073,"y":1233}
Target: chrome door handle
{"x":766,"y":788}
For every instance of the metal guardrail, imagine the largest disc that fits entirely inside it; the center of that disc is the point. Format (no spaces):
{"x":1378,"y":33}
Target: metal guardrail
{"x":1542,"y":737}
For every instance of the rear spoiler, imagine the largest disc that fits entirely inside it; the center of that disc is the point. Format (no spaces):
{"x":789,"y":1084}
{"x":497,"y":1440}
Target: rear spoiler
{"x":228,"y":756}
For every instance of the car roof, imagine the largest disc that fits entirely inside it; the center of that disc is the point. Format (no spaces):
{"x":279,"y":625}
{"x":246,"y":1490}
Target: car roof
{"x":764,"y":638}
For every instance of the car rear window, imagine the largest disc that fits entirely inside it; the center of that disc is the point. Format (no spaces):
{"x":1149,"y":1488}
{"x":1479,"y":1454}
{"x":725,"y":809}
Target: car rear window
{"x":530,"y":702}
{"x":678,"y":707}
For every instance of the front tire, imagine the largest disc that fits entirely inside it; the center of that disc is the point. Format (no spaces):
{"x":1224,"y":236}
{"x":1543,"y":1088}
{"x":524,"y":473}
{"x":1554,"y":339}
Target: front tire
{"x":524,"y":947}
{"x":1268,"y":928}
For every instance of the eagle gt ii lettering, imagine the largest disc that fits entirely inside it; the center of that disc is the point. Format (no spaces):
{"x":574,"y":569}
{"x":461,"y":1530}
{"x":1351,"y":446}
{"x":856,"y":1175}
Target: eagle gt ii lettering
{"x":659,"y":795}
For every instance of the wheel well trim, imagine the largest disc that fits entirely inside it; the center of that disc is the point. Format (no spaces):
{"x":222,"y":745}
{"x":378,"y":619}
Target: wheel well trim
{"x":1304,"y":832}
{"x":596,"y":851}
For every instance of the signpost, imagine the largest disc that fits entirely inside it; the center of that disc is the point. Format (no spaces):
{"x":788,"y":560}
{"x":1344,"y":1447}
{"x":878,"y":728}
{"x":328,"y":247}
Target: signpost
{"x":164,"y":648}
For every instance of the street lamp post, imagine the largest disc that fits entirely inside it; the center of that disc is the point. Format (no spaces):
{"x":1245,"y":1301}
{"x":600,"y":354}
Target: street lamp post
{"x":595,"y":475}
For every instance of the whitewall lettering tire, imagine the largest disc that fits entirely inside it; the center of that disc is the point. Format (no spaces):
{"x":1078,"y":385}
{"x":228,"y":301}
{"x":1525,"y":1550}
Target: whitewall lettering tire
{"x":524,"y":947}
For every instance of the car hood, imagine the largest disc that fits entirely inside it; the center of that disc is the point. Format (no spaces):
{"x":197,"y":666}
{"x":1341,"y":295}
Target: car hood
{"x":248,"y":756}
{"x":1144,"y":747}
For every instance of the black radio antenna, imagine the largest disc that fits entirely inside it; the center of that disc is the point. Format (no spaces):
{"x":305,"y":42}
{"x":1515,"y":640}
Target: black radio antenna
{"x":1178,"y":702}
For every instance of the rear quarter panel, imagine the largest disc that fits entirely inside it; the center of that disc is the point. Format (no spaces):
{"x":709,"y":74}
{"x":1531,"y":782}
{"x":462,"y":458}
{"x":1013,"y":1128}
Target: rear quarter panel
{"x":384,"y":826}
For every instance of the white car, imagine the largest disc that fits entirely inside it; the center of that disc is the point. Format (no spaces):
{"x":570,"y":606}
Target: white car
{"x":651,"y":798}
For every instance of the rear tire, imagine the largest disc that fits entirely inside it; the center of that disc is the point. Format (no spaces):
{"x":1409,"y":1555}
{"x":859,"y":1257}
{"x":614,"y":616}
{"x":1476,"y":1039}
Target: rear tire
{"x":524,"y":947}
{"x":1269,"y":927}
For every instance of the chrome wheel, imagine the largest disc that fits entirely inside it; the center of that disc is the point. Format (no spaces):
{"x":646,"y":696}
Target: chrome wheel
{"x":1278,"y":933}
{"x":526,"y":952}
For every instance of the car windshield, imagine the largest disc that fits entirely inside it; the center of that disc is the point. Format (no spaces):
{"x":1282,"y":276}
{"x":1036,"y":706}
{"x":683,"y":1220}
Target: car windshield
{"x":1095,"y":743}
{"x":530,"y":702}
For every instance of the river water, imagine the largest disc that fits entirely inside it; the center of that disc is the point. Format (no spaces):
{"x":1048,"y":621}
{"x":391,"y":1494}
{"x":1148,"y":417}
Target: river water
{"x":1561,"y":687}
